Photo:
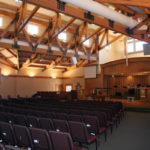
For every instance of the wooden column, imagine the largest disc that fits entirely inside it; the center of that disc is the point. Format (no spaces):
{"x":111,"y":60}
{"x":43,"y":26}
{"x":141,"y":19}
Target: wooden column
{"x":102,"y":77}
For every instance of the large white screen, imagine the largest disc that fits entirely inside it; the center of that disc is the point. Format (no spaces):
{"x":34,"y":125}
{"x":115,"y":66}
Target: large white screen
{"x":90,"y":72}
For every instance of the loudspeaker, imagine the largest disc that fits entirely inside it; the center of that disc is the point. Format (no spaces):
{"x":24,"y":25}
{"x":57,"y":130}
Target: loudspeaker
{"x":74,"y":60}
{"x":146,"y":48}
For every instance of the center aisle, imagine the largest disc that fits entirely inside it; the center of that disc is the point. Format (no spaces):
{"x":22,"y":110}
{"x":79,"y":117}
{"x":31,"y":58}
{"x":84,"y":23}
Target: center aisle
{"x":132,"y":134}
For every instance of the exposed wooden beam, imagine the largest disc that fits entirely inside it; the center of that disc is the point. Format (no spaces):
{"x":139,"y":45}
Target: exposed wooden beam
{"x":79,"y":13}
{"x":27,"y":37}
{"x":64,"y":28}
{"x":142,"y":3}
{"x":8,"y":61}
{"x":53,"y":64}
{"x":10,"y":51}
{"x":44,"y":33}
{"x":74,"y":66}
{"x":102,"y":39}
{"x":22,"y":13}
{"x":94,"y":46}
{"x":8,"y":27}
{"x":94,"y":33}
{"x":124,"y":8}
{"x":41,"y":50}
{"x":145,"y":21}
{"x":8,"y":65}
{"x":112,"y":41}
{"x":34,"y":58}
{"x":29,"y":18}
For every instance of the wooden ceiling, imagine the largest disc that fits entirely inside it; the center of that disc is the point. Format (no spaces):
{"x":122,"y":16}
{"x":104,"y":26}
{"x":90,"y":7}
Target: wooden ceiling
{"x":20,"y":50}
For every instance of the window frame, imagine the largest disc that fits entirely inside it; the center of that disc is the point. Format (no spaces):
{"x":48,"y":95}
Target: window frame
{"x":134,"y":42}
{"x":32,"y":24}
{"x":1,"y":18}
{"x":68,"y":85}
{"x":61,"y":38}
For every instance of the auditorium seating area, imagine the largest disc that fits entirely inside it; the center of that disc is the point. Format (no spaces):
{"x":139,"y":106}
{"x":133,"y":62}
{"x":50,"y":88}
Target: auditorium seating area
{"x":30,"y":124}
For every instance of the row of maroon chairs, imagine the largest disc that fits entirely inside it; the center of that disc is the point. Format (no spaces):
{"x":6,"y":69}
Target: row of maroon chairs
{"x":91,"y":122}
{"x":40,"y":139}
{"x":104,"y":114}
{"x":56,"y":115}
{"x":106,"y":119}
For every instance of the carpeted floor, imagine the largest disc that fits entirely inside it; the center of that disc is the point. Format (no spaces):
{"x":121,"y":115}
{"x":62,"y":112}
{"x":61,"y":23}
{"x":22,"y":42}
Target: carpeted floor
{"x":133,"y":133}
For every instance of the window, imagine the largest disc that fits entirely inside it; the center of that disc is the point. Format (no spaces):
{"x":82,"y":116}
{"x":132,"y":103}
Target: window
{"x":63,"y":36}
{"x":68,"y":88}
{"x":108,"y":46}
{"x":18,"y":0}
{"x":1,"y":21}
{"x":134,"y":45}
{"x":32,"y":29}
{"x":87,"y":43}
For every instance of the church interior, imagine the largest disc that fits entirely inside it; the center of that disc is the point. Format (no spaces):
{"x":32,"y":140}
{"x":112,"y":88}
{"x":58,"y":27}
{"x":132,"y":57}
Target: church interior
{"x":74,"y":75}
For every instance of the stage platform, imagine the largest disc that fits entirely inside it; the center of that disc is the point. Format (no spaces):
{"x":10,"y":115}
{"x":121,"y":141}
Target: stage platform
{"x":136,"y":105}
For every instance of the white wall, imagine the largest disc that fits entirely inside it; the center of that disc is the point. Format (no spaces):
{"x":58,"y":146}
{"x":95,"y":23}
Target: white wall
{"x":20,"y":82}
{"x":73,"y":77}
{"x":116,"y":52}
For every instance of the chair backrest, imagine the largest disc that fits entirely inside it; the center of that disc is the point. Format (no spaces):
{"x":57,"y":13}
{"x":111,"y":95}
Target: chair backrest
{"x":61,"y":140}
{"x":92,"y":124}
{"x":3,"y":117}
{"x":23,"y":136}
{"x":61,"y":125}
{"x":11,"y":118}
{"x":7,"y":133}
{"x":51,"y":115}
{"x":78,"y":131}
{"x":21,"y":120}
{"x":46,"y":123}
{"x":41,"y":139}
{"x":62,"y":116}
{"x":76,"y":118}
{"x":32,"y":121}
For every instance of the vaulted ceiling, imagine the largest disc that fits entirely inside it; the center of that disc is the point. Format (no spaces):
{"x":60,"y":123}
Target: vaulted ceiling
{"x":19,"y":49}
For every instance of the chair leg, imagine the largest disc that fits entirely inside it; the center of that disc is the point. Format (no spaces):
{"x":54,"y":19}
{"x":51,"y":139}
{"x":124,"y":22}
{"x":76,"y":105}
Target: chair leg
{"x":96,"y":144}
{"x":105,"y":135}
{"x":116,"y":123}
{"x":111,"y":128}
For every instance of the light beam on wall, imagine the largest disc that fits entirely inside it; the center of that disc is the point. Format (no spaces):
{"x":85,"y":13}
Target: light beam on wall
{"x":5,"y":73}
{"x":31,"y":74}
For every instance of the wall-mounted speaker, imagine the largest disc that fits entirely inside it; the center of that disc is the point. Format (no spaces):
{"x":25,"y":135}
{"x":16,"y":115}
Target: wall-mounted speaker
{"x":74,"y":60}
{"x":146,"y":48}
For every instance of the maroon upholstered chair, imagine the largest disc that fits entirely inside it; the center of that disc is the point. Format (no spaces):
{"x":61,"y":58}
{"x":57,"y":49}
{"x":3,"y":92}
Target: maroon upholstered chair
{"x":40,"y":139}
{"x":93,"y":126}
{"x":7,"y":133}
{"x":11,"y":118}
{"x":46,"y":123}
{"x":76,"y":118}
{"x":62,"y":141}
{"x":23,"y":136}
{"x":61,"y":125}
{"x":21,"y":120}
{"x":80,"y":134}
{"x":32,"y":121}
{"x":61,"y":116}
{"x":3,"y":117}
